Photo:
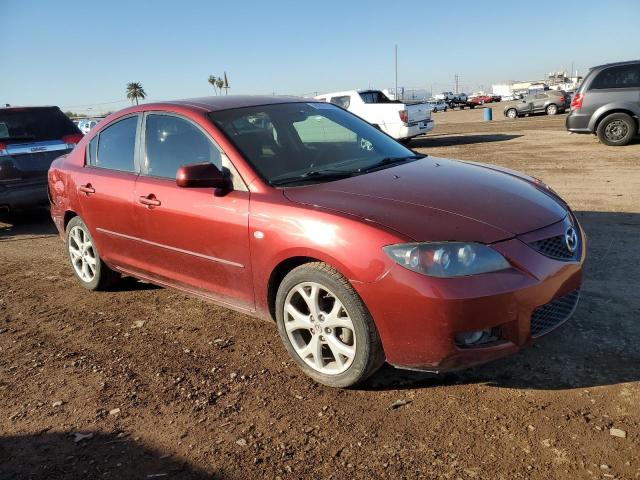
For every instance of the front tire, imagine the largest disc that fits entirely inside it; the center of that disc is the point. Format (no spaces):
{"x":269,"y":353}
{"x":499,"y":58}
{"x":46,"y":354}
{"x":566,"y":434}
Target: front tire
{"x":85,"y":260}
{"x":326,"y":328}
{"x":512,"y":113}
{"x":616,"y":130}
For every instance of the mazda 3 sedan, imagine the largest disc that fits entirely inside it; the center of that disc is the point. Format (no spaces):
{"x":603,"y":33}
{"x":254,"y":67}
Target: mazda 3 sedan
{"x":360,"y":250}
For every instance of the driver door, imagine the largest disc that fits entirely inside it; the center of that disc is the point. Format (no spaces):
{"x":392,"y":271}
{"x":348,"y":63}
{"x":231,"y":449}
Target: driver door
{"x":194,"y":238}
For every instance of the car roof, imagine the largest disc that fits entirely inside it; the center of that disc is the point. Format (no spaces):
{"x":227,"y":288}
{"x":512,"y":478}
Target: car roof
{"x":233,"y":101}
{"x":615,"y":64}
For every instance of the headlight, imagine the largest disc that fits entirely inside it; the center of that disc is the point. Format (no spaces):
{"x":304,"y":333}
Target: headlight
{"x":447,"y":259}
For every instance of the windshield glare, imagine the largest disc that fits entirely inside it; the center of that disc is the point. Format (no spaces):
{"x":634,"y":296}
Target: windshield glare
{"x":283,"y":141}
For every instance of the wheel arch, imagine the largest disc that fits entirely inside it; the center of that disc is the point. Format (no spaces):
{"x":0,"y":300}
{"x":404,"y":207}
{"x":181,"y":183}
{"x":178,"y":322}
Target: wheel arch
{"x":602,"y":115}
{"x":277,"y":275}
{"x":68,"y":215}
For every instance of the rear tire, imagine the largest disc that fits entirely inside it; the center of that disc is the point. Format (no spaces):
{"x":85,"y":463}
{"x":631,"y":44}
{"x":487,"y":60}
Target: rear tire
{"x":86,"y":263}
{"x":616,"y":130}
{"x":552,"y":109}
{"x":325,"y":326}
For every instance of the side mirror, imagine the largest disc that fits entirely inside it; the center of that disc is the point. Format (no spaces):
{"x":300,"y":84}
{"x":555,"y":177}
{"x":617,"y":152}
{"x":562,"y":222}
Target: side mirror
{"x":202,"y":175}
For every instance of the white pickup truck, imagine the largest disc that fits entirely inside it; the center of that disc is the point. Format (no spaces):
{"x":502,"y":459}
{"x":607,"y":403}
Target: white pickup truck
{"x":399,"y":120}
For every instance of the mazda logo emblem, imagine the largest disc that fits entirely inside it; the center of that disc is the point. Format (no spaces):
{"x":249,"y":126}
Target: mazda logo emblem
{"x":571,"y":239}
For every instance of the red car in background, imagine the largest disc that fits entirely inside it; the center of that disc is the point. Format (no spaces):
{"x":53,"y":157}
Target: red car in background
{"x":298,"y":211}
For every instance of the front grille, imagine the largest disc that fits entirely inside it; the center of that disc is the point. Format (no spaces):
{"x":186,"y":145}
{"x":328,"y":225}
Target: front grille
{"x":553,"y":314}
{"x":554,"y":247}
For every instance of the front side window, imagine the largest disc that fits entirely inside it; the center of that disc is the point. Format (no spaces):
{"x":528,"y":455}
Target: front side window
{"x":306,"y":141}
{"x":172,"y":142}
{"x":623,"y":76}
{"x":115,"y":146}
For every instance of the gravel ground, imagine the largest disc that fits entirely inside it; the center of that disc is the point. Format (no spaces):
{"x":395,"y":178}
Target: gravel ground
{"x":143,"y":382}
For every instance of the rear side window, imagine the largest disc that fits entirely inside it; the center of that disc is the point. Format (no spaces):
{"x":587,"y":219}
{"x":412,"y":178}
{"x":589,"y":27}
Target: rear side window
{"x":115,"y":146}
{"x":622,"y":76}
{"x":173,"y":142}
{"x":34,"y":125}
{"x":374,"y":96}
{"x":343,"y":101}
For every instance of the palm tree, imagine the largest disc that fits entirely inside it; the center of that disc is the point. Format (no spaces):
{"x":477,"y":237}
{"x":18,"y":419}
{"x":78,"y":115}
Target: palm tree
{"x":220,"y":84}
{"x":214,"y":82}
{"x":135,"y":91}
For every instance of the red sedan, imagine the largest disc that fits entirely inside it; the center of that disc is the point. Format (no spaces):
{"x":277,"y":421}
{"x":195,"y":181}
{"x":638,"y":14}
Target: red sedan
{"x":295,"y":210}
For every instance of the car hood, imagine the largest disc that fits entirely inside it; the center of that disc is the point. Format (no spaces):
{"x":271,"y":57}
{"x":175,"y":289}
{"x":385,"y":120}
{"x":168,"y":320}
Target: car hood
{"x":436,"y":199}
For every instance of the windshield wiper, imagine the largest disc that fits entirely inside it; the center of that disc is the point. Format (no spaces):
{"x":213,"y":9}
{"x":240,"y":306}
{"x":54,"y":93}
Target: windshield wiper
{"x":313,"y":175}
{"x":389,"y":161}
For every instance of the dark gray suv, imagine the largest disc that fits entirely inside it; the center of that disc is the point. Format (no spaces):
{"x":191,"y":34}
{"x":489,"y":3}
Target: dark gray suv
{"x":608,"y":103}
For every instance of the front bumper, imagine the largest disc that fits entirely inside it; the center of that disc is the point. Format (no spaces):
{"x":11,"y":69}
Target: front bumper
{"x":24,"y":194}
{"x":418,"y":317}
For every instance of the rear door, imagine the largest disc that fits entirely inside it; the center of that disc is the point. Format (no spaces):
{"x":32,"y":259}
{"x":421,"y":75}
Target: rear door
{"x":194,"y":238}
{"x":105,"y":190}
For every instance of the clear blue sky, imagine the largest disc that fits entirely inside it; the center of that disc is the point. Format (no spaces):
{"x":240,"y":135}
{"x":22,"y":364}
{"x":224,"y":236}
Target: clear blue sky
{"x":81,"y":53}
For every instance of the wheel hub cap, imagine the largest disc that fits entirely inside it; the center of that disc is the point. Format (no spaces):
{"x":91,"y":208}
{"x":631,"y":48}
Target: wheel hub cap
{"x":82,"y":254}
{"x":319,"y":328}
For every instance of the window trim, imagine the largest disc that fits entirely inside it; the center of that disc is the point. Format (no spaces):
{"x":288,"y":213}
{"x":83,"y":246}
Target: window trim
{"x":136,"y":160}
{"x":240,"y":185}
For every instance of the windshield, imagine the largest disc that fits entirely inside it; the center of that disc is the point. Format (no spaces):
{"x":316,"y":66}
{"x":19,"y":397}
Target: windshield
{"x":34,"y":125}
{"x":307,"y":142}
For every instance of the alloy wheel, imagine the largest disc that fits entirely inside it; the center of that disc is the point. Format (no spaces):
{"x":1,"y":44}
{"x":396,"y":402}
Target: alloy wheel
{"x":82,"y":253}
{"x":319,"y":328}
{"x":552,"y":110}
{"x":512,"y":113}
{"x":616,"y":130}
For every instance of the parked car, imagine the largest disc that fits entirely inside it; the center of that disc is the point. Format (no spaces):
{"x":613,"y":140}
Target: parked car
{"x":302,"y":213}
{"x":496,"y":98}
{"x":550,"y":102}
{"x":399,"y":120}
{"x":86,"y":125}
{"x":30,"y":138}
{"x":608,"y":103}
{"x":437,"y":105}
{"x":445,"y":96}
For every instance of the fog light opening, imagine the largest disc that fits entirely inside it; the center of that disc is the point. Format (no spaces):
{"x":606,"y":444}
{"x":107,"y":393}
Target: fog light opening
{"x":476,"y":337}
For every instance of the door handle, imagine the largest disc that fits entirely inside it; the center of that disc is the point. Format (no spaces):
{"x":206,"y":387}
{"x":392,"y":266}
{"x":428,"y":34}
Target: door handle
{"x":87,"y":189}
{"x":149,"y":201}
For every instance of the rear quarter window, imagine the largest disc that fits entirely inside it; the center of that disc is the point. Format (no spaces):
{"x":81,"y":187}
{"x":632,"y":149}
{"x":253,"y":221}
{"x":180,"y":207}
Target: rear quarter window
{"x":622,"y":76}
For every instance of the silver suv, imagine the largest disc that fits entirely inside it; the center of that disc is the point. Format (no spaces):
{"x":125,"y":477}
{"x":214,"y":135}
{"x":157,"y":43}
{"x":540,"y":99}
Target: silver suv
{"x":608,"y":103}
{"x":550,"y":102}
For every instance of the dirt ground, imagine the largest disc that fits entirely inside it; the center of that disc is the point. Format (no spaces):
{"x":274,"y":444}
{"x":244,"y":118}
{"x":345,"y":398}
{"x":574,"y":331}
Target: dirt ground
{"x":165,"y":386}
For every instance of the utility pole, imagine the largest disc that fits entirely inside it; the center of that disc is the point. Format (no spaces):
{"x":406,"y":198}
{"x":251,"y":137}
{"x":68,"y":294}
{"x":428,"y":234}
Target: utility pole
{"x":396,"y":89}
{"x":456,"y":79}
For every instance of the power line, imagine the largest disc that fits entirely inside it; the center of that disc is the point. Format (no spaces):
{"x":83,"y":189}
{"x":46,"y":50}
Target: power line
{"x":95,"y":104}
